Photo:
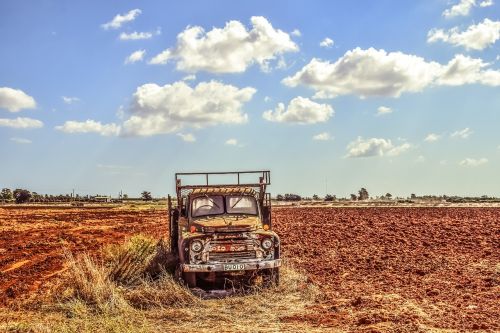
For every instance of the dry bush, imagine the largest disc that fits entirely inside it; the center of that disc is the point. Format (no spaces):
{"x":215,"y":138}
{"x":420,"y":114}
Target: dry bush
{"x":89,"y":283}
{"x":119,"y":294}
{"x":127,"y":262}
{"x":160,"y":293}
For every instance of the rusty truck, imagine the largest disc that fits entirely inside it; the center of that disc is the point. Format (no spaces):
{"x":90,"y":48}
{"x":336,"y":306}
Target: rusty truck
{"x":221,"y":231}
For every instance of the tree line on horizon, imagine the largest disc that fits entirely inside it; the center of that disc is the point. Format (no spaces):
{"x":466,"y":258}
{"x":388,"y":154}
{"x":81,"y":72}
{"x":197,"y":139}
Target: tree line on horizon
{"x":364,"y":195}
{"x":24,"y":196}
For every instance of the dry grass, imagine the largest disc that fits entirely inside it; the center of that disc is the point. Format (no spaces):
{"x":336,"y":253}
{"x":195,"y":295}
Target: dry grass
{"x":118,"y":294}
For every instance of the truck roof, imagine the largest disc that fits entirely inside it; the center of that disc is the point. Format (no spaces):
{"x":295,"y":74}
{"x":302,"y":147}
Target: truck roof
{"x":224,"y":190}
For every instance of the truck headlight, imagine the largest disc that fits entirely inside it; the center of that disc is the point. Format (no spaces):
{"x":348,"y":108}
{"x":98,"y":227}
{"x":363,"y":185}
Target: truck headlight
{"x":196,"y":246}
{"x":267,"y":243}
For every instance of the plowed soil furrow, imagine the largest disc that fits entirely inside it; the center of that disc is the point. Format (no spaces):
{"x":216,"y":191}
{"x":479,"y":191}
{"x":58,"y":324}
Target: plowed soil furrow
{"x":33,"y":241}
{"x":379,"y":268}
{"x":437,"y":266}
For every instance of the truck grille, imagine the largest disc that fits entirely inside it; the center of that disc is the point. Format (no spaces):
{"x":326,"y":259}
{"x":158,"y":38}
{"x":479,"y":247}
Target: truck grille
{"x":229,"y":256}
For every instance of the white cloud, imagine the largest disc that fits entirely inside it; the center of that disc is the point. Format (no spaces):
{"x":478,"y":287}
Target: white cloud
{"x":325,"y":136}
{"x":378,"y":73}
{"x":366,"y":73}
{"x":486,"y":3}
{"x":398,"y":150}
{"x":282,"y":63}
{"x":190,"y":77}
{"x":463,"y":134}
{"x":120,"y":20}
{"x":326,"y":43}
{"x":471,"y":162}
{"x":420,"y":159}
{"x":20,"y":140}
{"x":464,"y":7}
{"x":267,"y":99}
{"x":21,"y":122}
{"x":135,"y":56}
{"x":89,"y":126}
{"x":300,"y":110}
{"x":476,"y":37}
{"x":383,"y":110}
{"x":120,"y":112}
{"x":375,"y":147}
{"x":187,"y":137}
{"x":135,"y":35}
{"x":466,"y":70}
{"x":165,"y":109}
{"x":227,"y":50}
{"x":296,"y":32}
{"x":432,"y":137}
{"x":15,"y":100}
{"x":70,"y":100}
{"x":461,"y":9}
{"x":231,"y":142}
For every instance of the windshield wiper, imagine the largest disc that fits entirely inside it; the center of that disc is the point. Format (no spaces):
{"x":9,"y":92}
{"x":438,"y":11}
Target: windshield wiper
{"x":212,"y":200}
{"x":236,"y":202}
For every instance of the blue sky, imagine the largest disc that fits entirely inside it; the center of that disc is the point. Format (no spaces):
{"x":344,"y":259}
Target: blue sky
{"x":395,"y":96}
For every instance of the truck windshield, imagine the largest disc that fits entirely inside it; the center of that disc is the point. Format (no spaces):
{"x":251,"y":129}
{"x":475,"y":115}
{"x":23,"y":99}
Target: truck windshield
{"x":241,"y":204}
{"x":207,"y":205}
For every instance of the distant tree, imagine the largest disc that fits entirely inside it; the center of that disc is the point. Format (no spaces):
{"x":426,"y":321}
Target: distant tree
{"x":315,"y":197}
{"x":22,"y":196}
{"x":36,"y":197}
{"x":292,"y":197}
{"x":388,"y":196}
{"x":354,"y":197}
{"x":146,"y":196}
{"x":125,"y":196}
{"x":413,"y":196}
{"x":6,"y":194}
{"x":329,"y":197}
{"x":363,"y":194}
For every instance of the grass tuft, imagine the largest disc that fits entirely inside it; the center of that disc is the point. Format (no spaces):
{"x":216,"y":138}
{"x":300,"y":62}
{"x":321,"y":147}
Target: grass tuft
{"x":130,"y":290}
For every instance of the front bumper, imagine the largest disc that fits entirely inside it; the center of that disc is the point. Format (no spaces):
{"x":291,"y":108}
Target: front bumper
{"x":220,"y":267}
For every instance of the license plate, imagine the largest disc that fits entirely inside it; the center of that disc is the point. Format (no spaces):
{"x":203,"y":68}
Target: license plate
{"x":234,"y":267}
{"x":228,"y":248}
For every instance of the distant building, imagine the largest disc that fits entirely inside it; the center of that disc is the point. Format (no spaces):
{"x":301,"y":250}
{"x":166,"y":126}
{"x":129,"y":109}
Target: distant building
{"x":100,"y":198}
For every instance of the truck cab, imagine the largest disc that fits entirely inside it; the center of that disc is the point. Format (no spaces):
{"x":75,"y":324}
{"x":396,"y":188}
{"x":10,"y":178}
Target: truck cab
{"x":222,"y":233}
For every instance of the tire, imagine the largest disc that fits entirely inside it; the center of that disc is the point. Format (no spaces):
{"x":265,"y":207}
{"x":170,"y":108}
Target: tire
{"x":271,"y":277}
{"x":186,"y":278}
{"x":190,"y":279}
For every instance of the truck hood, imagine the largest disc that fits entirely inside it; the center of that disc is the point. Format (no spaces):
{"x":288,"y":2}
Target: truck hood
{"x":229,"y":221}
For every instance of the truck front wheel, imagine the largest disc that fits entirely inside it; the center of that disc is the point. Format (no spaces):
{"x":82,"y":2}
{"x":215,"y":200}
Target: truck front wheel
{"x":190,"y":279}
{"x":186,"y":278}
{"x":271,"y":277}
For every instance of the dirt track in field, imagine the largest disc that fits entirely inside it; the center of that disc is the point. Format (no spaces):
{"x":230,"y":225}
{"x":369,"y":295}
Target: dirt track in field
{"x":380,"y":269}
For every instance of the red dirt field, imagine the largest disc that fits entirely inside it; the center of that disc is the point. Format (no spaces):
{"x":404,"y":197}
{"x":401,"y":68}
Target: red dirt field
{"x":417,"y":268}
{"x":33,"y":240}
{"x":397,"y":269}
